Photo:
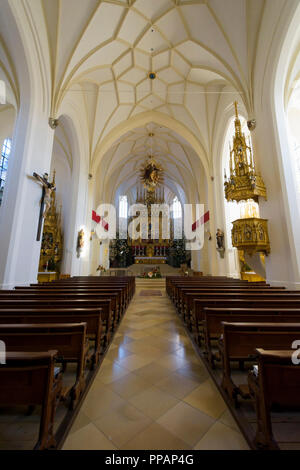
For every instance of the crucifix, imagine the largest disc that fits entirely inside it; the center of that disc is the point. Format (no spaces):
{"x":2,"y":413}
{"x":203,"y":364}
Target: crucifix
{"x":48,"y":188}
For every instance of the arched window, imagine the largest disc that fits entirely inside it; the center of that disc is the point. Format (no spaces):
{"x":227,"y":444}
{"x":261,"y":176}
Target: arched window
{"x":123,"y":207}
{"x":5,"y":153}
{"x":176,"y":209}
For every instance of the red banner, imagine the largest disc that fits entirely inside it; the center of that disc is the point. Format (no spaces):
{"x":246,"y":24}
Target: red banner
{"x":204,"y":219}
{"x":96,"y":218}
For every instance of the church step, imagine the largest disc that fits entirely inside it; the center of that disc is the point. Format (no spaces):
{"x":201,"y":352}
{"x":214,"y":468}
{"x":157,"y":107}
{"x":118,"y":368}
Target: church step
{"x":155,"y":283}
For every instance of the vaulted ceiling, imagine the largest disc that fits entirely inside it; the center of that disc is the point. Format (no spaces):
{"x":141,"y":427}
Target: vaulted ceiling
{"x":120,"y":167}
{"x":197,"y":48}
{"x":204,"y":54}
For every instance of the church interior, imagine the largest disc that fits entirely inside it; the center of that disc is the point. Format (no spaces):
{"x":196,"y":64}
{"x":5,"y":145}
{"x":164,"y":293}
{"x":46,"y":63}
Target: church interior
{"x":128,"y":129}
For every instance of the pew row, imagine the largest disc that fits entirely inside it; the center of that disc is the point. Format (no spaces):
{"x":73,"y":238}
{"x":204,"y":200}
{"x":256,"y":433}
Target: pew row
{"x":69,"y":339}
{"x":275,"y":381}
{"x":239,"y":341}
{"x":32,"y":379}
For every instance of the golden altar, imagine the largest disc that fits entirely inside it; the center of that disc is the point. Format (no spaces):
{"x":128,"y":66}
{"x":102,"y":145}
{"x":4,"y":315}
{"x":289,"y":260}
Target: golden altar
{"x":153,"y":260}
{"x":46,"y":276}
{"x":153,"y":251}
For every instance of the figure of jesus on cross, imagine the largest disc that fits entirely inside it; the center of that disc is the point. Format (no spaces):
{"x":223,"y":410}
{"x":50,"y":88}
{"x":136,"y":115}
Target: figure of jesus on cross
{"x":48,"y":189}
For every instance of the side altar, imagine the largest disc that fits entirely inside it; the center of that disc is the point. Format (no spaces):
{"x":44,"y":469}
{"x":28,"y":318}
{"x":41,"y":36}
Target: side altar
{"x":52,"y":243}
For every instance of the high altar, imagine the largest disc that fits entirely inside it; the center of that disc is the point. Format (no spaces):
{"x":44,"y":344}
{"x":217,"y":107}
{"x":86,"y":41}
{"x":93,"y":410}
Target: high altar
{"x":150,"y":251}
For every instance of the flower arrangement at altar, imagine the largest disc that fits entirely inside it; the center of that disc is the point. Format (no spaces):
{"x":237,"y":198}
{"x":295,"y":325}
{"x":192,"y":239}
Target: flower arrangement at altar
{"x":101,"y":269}
{"x":154,"y":274}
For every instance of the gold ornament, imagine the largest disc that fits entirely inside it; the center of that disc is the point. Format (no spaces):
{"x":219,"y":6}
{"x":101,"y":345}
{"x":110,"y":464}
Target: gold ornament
{"x":151,"y":175}
{"x":251,"y":235}
{"x":244,"y":181}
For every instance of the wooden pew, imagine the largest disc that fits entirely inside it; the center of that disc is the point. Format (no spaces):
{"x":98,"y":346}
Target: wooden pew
{"x":108,"y":302}
{"x":53,"y":303}
{"x":179,"y":287}
{"x":31,"y":379}
{"x":172,"y":282}
{"x":200,"y":304}
{"x":45,"y":315}
{"x":185,"y":307}
{"x":276,"y":381}
{"x":81,"y":289}
{"x":117,"y":302}
{"x":69,"y":339}
{"x":239,"y":342}
{"x":193,"y":299}
{"x":128,"y":283}
{"x":174,"y":286}
{"x":213,"y":318}
{"x":124,"y":288}
{"x":180,"y":291}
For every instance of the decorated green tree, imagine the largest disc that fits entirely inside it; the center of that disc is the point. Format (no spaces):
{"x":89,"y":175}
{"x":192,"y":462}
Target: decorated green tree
{"x":178,"y":254}
{"x":120,"y":253}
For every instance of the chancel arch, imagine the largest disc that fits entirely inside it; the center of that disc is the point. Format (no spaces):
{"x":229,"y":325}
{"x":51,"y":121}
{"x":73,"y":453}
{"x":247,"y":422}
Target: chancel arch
{"x":118,"y":170}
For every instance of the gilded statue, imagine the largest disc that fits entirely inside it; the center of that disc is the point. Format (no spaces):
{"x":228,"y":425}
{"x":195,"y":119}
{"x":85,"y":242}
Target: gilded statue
{"x":80,"y":242}
{"x":220,"y":239}
{"x":151,"y":174}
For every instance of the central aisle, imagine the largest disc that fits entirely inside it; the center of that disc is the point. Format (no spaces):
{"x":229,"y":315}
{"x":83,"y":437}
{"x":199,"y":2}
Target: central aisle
{"x":152,"y":391}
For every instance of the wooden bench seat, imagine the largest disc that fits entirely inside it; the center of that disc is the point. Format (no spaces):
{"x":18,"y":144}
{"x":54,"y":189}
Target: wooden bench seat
{"x":196,"y":326}
{"x":178,"y":287}
{"x":127,"y":288}
{"x":213,"y":318}
{"x":276,"y":381}
{"x":185,"y":306}
{"x":29,"y":379}
{"x":117,"y":303}
{"x":69,"y":339}
{"x":240,"y":340}
{"x":127,"y":283}
{"x":175,"y":286}
{"x":180,"y":291}
{"x":123,"y":299}
{"x":46,"y":315}
{"x":172,"y":282}
{"x":54,"y":302}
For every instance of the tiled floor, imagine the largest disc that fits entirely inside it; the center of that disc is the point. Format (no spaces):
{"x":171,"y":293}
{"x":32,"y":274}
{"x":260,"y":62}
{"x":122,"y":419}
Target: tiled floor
{"x":152,"y":391}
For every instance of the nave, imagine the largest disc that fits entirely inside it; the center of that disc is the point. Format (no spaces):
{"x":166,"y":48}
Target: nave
{"x":153,"y":391}
{"x":143,"y":140}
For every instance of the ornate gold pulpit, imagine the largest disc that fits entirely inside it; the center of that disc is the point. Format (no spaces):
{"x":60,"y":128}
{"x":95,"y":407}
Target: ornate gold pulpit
{"x":245,"y":184}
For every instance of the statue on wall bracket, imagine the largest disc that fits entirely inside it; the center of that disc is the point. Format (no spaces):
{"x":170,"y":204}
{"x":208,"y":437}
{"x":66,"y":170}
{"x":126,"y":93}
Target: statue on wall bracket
{"x":80,"y":242}
{"x":220,"y":243}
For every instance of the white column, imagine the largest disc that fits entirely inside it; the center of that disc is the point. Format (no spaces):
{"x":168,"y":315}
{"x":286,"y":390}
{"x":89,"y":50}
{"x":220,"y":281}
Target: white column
{"x":282,"y":266}
{"x":31,"y":152}
{"x":196,"y":260}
